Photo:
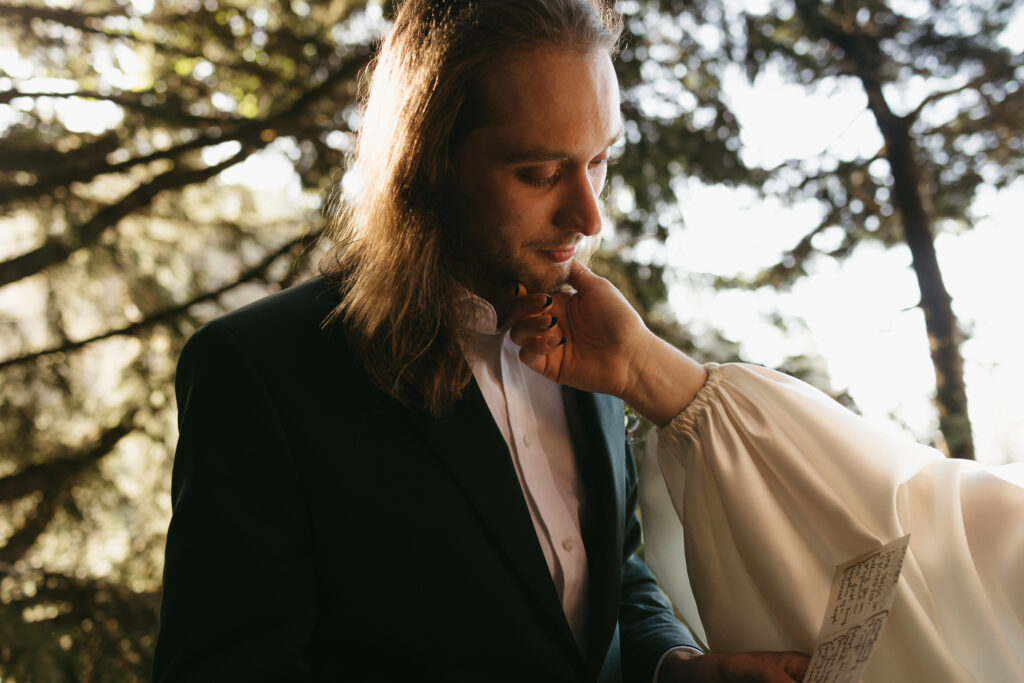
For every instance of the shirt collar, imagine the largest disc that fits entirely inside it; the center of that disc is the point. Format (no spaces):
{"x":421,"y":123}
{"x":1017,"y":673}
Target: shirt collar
{"x":477,"y":315}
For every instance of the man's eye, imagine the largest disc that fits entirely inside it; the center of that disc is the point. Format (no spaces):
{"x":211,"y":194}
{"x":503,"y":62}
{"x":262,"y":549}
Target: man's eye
{"x":540,"y":177}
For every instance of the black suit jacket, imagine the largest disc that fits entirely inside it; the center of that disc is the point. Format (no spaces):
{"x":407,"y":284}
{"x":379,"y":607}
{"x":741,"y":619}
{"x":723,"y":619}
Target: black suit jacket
{"x":321,"y":531}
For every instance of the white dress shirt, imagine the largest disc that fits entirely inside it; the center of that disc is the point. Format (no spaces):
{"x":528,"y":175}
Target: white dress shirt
{"x":528,"y":410}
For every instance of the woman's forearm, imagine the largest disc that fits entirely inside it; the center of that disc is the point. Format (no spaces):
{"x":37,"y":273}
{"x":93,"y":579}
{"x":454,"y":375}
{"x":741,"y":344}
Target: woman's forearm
{"x":662,"y":381}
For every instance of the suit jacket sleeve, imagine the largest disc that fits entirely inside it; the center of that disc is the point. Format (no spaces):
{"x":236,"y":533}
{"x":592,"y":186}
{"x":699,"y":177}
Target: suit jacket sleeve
{"x":647,"y":622}
{"x":238,"y":599}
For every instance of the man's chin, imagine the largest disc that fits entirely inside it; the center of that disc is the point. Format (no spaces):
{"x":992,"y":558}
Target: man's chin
{"x":548,"y":282}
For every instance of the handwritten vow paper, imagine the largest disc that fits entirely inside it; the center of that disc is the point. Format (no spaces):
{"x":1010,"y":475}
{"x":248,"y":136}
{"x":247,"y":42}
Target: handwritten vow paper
{"x":862,"y":593}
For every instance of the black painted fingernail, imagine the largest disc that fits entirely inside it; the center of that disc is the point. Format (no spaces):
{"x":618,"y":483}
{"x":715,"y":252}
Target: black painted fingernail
{"x":549,"y":300}
{"x":515,"y":291}
{"x":560,"y":341}
{"x":554,"y":321}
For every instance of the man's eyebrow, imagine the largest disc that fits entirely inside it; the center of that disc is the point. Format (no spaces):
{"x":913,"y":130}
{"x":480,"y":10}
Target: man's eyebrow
{"x":546,"y":154}
{"x":535,"y":155}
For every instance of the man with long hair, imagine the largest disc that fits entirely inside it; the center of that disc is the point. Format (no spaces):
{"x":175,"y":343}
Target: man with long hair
{"x":368,"y":484}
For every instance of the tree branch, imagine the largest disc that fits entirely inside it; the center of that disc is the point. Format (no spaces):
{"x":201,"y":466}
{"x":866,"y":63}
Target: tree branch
{"x":782,"y":273}
{"x":35,"y":524}
{"x":167,"y":314}
{"x":52,"y":474}
{"x":93,"y":24}
{"x":973,"y":84}
{"x":132,"y":101}
{"x":81,"y":20}
{"x":245,"y":131}
{"x":56,"y":250}
{"x":77,"y":174}
{"x":73,"y":18}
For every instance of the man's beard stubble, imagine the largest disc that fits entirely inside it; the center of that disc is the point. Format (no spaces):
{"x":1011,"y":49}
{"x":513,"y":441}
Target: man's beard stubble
{"x":485,"y":267}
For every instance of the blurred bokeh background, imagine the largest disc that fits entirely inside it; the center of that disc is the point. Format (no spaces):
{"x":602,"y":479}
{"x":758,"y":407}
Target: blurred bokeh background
{"x":829,"y":188}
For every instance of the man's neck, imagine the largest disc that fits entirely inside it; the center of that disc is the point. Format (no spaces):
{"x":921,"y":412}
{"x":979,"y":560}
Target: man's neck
{"x":499,"y":297}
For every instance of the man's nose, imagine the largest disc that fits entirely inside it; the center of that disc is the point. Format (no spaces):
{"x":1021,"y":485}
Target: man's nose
{"x":581,"y":209}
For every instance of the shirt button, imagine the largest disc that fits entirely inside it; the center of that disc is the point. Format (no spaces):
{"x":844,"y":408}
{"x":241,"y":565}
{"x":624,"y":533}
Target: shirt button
{"x":568,"y":544}
{"x":527,"y":442}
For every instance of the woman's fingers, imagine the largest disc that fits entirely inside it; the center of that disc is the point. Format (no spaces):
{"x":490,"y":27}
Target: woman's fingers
{"x":535,"y":354}
{"x":535,"y":329}
{"x":525,"y":331}
{"x":525,"y":305}
{"x":532,"y":317}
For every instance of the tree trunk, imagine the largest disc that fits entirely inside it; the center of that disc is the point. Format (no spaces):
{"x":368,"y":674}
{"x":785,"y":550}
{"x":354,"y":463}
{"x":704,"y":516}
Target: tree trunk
{"x":914,"y":204}
{"x":863,"y":54}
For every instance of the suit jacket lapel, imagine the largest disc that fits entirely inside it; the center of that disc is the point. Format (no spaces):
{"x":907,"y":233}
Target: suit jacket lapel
{"x":598,"y":436}
{"x":470,"y":445}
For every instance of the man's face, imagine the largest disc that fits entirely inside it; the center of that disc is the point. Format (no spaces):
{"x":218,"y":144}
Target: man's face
{"x":527,"y":181}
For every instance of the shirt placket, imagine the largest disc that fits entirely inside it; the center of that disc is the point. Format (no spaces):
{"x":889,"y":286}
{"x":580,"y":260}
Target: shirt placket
{"x":558,"y":526}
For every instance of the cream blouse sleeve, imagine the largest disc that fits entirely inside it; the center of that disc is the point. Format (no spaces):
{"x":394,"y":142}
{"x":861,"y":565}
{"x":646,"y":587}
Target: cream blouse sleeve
{"x":754,"y":493}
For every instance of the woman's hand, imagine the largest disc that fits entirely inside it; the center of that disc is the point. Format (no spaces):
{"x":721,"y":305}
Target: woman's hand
{"x":594,"y":340}
{"x":747,"y":667}
{"x":601,"y":330}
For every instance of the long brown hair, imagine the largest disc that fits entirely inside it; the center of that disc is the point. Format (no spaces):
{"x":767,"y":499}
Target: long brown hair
{"x":391,"y":248}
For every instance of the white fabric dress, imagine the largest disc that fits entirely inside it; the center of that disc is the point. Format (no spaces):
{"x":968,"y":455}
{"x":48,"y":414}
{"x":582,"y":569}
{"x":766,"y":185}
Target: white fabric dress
{"x":775,"y":484}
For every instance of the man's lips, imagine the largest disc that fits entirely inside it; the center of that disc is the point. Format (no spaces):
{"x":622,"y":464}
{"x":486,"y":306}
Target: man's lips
{"x":560,"y":255}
